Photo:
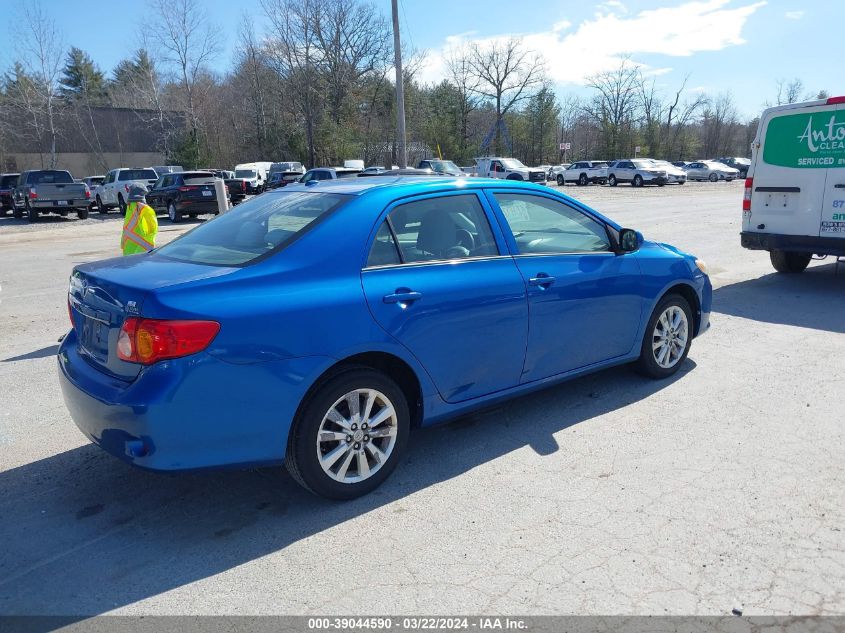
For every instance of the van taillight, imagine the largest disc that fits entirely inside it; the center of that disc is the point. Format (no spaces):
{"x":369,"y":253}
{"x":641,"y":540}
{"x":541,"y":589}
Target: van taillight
{"x":147,"y":341}
{"x":746,"y":198}
{"x":835,"y":100}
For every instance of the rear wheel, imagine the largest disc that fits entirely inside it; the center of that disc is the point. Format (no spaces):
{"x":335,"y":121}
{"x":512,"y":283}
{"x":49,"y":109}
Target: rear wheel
{"x":349,"y":435}
{"x":100,"y":206}
{"x":121,"y":203}
{"x":173,"y":213}
{"x":786,"y":262}
{"x":82,"y":214}
{"x":667,"y":338}
{"x":17,"y":212}
{"x":611,"y":180}
{"x":31,"y":212}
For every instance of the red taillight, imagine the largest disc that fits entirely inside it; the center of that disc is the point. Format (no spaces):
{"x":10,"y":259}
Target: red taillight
{"x":126,"y":187}
{"x":148,"y":341}
{"x":835,"y":100}
{"x":746,"y":198}
{"x":189,"y":188}
{"x":70,"y":312}
{"x":32,"y":194}
{"x":87,"y":193}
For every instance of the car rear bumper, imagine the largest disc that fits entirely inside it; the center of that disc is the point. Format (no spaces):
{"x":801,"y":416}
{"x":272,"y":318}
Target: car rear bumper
{"x":189,"y":413}
{"x":793,"y":243}
{"x":198,"y":206}
{"x":53,"y":205}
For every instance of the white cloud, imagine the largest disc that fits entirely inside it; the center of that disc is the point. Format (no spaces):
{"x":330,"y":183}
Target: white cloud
{"x":793,"y":15}
{"x":599,"y":44}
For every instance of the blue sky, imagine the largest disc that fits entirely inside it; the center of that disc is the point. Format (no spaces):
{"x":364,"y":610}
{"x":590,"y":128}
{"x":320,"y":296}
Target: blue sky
{"x":743,"y":46}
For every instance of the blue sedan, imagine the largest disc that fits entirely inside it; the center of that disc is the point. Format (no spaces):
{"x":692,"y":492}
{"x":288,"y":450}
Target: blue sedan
{"x":317,"y":324}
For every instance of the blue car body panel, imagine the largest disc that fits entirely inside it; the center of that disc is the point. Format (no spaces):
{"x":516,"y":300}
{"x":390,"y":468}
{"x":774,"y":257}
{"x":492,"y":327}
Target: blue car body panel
{"x":479,"y":333}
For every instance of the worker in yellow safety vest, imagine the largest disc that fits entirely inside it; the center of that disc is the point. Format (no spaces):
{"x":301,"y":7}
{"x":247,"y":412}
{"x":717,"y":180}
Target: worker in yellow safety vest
{"x":140,"y":225}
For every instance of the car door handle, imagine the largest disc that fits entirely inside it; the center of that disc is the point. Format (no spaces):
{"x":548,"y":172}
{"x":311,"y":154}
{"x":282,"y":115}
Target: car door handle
{"x":403,"y":296}
{"x":839,"y":186}
{"x":542,"y":279}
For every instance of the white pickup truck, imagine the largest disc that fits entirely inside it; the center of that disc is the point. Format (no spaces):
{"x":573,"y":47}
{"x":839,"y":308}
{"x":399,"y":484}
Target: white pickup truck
{"x":508,"y":169}
{"x":584,"y":172}
{"x":114,"y":190}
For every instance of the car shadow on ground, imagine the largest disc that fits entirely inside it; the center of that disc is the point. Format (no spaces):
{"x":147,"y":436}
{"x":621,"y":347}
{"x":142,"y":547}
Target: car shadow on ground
{"x":44,"y":352}
{"x":813,"y":299}
{"x":83,"y":533}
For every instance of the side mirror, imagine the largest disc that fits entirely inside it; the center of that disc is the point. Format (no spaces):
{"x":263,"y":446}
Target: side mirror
{"x":629,"y":241}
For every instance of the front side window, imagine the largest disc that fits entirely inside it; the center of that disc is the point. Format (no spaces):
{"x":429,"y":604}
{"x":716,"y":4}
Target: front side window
{"x":444,"y":227}
{"x":542,"y":225}
{"x":255,"y":228}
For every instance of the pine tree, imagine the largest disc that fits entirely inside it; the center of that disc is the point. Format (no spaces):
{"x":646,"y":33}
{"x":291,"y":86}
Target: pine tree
{"x":82,"y":79}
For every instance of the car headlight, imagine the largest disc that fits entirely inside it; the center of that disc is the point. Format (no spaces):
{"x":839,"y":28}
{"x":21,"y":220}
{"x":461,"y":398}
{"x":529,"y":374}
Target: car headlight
{"x":701,"y":266}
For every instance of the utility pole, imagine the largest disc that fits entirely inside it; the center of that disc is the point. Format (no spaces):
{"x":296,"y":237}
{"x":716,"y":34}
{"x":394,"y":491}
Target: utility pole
{"x":400,"y":90}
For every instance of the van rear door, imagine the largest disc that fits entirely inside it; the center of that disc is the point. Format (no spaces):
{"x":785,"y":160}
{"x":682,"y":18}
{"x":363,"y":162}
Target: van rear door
{"x":833,"y":210}
{"x":791,"y":171}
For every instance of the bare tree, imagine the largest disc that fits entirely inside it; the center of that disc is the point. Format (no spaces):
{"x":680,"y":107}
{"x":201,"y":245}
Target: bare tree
{"x":651,"y":106}
{"x":43,"y":60}
{"x":466,"y":84}
{"x":678,"y":117}
{"x":188,"y":43}
{"x":718,"y":122}
{"x":252,"y":66}
{"x":788,"y":91}
{"x":615,"y":104}
{"x":506,"y":73}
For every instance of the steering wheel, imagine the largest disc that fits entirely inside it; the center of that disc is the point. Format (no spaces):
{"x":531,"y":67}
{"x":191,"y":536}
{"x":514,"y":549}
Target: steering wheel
{"x":465,"y":239}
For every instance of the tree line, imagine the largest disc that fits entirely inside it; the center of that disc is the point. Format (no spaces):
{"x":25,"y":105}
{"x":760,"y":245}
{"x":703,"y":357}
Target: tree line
{"x":318,"y":88}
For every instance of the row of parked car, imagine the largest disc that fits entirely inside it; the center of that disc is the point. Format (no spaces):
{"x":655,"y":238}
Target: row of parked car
{"x":646,"y":171}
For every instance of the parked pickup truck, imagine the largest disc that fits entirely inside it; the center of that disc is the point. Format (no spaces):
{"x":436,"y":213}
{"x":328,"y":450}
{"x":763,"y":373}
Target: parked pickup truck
{"x":50,"y":191}
{"x":7,"y":185}
{"x":114,"y":190}
{"x":508,"y":169}
{"x":237,"y":188}
{"x":584,"y":172}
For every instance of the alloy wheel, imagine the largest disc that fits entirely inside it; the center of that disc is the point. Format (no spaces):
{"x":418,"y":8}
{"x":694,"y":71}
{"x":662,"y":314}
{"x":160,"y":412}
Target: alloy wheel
{"x":670,"y":336}
{"x":357,"y":436}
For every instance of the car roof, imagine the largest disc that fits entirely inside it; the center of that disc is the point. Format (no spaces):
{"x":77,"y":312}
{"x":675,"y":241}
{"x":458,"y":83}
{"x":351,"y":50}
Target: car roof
{"x":410,"y":184}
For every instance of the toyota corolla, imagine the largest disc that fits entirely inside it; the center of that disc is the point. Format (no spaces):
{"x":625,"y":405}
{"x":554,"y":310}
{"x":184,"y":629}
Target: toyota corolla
{"x":317,"y":324}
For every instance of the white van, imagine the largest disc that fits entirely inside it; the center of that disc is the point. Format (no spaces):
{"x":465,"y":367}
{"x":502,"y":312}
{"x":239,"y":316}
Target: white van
{"x":255,"y":175}
{"x":794,"y":204}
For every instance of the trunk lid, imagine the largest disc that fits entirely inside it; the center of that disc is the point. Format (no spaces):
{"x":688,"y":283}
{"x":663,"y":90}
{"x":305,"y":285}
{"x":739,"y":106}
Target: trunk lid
{"x":103,"y":294}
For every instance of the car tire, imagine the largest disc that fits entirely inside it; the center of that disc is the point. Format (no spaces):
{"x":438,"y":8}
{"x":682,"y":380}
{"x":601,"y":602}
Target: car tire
{"x":713,"y":177}
{"x":31,"y":212}
{"x":682,"y":182}
{"x":611,"y":180}
{"x":788,"y":262}
{"x":637,"y":181}
{"x":514,"y":177}
{"x":667,"y":339}
{"x":121,"y":203}
{"x":173,"y":213}
{"x":323,"y":464}
{"x":101,"y":207}
{"x":560,"y":181}
{"x":17,"y":212}
{"x":82,"y":214}
{"x":582,"y":180}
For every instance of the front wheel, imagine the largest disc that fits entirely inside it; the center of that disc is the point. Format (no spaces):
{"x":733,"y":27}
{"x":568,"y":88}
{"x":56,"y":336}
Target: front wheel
{"x":611,"y":180}
{"x":667,"y":338}
{"x":349,"y":436}
{"x":713,"y":177}
{"x":786,"y":262}
{"x":560,"y":181}
{"x":638,"y":181}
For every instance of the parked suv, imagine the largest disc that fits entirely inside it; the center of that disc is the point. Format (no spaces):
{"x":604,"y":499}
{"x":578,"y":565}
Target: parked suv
{"x":584,"y":172}
{"x":184,"y":193}
{"x":114,"y":190}
{"x":637,"y":171}
{"x":7,"y":185}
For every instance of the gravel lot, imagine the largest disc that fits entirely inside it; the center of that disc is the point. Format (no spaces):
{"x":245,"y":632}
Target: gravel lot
{"x":722,"y":488}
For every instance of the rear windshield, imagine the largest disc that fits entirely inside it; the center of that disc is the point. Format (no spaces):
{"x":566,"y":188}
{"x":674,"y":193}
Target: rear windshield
{"x":50,"y":177}
{"x":253,"y":229}
{"x":137,"y":174}
{"x":244,"y":173}
{"x":96,"y":181}
{"x":8,"y":181}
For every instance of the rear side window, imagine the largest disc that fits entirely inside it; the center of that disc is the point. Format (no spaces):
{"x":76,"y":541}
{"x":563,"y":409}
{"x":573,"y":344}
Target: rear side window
{"x":254,"y":229}
{"x":137,"y":174}
{"x":384,"y":251}
{"x":445,"y":227}
{"x":8,"y":181}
